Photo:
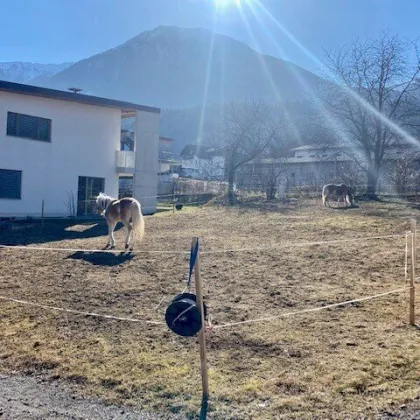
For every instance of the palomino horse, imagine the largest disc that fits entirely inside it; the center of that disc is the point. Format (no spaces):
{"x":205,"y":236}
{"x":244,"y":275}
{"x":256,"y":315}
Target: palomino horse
{"x":121,"y":210}
{"x":337,"y":191}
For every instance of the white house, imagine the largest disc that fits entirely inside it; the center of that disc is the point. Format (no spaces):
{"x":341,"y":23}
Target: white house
{"x":64,"y":148}
{"x":318,"y":164}
{"x":202,"y":162}
{"x":166,"y":156}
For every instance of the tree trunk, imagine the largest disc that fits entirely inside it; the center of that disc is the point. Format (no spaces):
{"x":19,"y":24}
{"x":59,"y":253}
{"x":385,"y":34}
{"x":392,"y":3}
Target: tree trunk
{"x":271,"y":192}
{"x":372,"y":181}
{"x":231,"y":180}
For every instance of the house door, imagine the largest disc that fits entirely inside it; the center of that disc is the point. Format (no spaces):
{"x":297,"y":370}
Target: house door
{"x":89,"y":188}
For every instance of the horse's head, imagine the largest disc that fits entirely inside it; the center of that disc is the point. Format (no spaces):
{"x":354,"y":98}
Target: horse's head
{"x":101,"y":203}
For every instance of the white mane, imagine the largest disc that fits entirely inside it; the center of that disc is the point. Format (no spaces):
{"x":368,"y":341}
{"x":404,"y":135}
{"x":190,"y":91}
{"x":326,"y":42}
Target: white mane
{"x":102,"y":201}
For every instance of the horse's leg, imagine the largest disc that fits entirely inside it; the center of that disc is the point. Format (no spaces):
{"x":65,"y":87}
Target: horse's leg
{"x":108,"y":243}
{"x":111,"y":227}
{"x":128,"y":236}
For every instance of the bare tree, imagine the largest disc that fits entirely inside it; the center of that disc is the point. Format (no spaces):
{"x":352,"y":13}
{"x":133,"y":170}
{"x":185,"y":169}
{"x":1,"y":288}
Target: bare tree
{"x":351,"y":174}
{"x":71,"y":204}
{"x":374,"y":98}
{"x":244,"y":131}
{"x":272,"y":164}
{"x":405,"y":172}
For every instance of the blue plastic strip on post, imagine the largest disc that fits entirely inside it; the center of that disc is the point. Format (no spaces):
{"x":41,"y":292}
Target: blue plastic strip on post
{"x":193,"y":257}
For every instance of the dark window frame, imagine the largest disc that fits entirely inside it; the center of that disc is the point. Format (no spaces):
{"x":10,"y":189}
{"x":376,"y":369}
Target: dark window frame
{"x":17,"y":196}
{"x":15,"y":132}
{"x":86,"y":190}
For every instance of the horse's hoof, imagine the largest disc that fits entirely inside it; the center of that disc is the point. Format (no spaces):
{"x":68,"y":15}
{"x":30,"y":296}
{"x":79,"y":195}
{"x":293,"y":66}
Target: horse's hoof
{"x":126,"y":246}
{"x":112,"y":247}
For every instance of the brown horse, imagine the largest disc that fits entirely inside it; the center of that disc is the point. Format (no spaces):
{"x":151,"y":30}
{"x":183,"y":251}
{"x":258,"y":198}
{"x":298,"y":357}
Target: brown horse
{"x":338,"y":192}
{"x":122,"y":210}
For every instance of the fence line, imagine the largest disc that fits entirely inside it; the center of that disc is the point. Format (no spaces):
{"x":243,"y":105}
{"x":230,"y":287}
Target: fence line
{"x":159,"y":196}
{"x":74,"y":311}
{"x":166,"y":197}
{"x":296,"y":244}
{"x":108,"y":251}
{"x":304,"y":311}
{"x":406,"y":258}
{"x":227,"y":325}
{"x":217,"y":251}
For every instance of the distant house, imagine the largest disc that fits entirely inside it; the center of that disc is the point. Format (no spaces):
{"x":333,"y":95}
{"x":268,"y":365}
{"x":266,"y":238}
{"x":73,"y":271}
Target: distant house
{"x":316,"y":165}
{"x":321,"y":164}
{"x":202,"y":162}
{"x":166,"y":155}
{"x":64,"y":148}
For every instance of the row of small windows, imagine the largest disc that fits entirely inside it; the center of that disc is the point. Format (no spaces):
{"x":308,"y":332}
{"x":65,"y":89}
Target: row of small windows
{"x":29,"y":127}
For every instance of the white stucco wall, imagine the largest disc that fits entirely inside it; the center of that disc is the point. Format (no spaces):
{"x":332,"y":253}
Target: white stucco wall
{"x":213,"y":167}
{"x":84,"y":140}
{"x":145,"y":178}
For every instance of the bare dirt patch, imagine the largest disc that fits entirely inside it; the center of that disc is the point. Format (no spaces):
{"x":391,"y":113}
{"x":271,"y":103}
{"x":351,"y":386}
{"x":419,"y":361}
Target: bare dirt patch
{"x":38,"y":399}
{"x":352,"y":361}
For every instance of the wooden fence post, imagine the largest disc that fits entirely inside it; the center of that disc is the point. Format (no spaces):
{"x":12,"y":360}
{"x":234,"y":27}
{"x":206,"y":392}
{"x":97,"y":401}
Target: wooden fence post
{"x":413,"y":272}
{"x":201,"y":334}
{"x":42,"y":214}
{"x":173,"y":198}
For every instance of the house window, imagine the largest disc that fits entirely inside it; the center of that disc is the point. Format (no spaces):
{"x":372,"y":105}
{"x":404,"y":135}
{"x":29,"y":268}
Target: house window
{"x":10,"y":184}
{"x":88,"y":189}
{"x":28,"y":127}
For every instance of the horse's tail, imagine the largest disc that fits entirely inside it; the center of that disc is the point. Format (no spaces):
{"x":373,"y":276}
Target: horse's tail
{"x":137,"y":220}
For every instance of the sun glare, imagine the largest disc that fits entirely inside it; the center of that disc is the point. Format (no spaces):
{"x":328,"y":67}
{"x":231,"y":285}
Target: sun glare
{"x":226,"y":3}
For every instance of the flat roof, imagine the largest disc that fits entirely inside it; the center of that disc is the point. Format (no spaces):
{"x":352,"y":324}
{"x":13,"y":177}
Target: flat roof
{"x":166,"y":138}
{"x":319,"y":146}
{"x":61,"y":95}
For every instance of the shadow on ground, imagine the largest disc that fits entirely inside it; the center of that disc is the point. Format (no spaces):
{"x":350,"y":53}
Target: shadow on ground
{"x":32,"y":232}
{"x":102,"y":258}
{"x":354,"y":206}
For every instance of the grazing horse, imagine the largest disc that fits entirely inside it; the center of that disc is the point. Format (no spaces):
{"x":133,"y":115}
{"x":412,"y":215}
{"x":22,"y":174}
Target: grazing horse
{"x":337,"y":191}
{"x":121,"y":210}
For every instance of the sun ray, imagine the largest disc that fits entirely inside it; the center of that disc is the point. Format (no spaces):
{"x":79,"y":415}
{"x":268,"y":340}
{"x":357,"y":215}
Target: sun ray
{"x":401,"y":132}
{"x":206,"y":86}
{"x":269,"y":76}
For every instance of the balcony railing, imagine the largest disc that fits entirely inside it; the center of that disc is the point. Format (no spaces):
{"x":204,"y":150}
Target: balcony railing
{"x":126,"y":162}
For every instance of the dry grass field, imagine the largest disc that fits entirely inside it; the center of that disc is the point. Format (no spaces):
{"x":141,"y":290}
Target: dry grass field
{"x":345,"y":362}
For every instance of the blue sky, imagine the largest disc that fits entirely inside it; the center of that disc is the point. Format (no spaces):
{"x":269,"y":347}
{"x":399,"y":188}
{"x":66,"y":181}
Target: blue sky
{"x":54,"y":31}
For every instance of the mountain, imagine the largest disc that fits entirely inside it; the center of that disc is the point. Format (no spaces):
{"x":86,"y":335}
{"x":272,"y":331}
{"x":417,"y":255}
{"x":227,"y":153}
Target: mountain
{"x":22,"y":72}
{"x":167,"y":67}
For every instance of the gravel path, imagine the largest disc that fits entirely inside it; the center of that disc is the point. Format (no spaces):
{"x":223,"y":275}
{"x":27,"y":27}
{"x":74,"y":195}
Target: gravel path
{"x":25,"y":397}
{"x":410,"y":411}
{"x":35,"y":398}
